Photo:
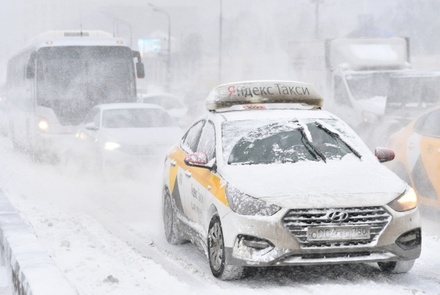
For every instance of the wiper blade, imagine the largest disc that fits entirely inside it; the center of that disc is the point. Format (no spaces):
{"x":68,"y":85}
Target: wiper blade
{"x":310,"y":147}
{"x":338,"y":137}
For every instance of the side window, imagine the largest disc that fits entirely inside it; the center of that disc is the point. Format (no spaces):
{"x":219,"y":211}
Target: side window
{"x":191,"y":138}
{"x":207,"y":140}
{"x":430,"y":124}
{"x":92,"y":116}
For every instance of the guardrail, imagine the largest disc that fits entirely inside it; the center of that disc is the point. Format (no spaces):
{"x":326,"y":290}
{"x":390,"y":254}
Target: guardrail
{"x":29,"y":268}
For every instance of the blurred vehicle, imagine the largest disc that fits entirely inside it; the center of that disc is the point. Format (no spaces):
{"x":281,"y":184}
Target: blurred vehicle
{"x":123,"y":136}
{"x":55,"y":81}
{"x":417,"y":149}
{"x":267,"y":178}
{"x":4,"y":116}
{"x":369,"y":82}
{"x":171,"y":103}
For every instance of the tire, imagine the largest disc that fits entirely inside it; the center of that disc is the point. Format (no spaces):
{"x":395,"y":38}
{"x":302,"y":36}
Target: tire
{"x":171,"y":224}
{"x":396,"y":266}
{"x":216,"y":254}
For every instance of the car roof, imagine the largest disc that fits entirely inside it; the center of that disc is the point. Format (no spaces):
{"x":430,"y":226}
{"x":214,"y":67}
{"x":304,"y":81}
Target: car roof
{"x":159,"y":95}
{"x":271,"y":114}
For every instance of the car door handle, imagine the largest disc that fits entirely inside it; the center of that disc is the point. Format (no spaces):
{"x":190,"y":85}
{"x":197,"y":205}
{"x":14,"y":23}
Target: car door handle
{"x":188,"y":173}
{"x":173,"y":163}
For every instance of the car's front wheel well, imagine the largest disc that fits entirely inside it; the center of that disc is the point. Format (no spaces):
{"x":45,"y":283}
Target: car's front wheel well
{"x":212,"y":211}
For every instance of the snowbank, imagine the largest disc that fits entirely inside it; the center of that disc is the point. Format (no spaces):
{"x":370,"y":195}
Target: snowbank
{"x":29,"y":269}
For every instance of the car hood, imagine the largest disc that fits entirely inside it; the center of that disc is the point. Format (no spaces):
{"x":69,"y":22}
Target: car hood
{"x":317,"y":184}
{"x":143,"y":136}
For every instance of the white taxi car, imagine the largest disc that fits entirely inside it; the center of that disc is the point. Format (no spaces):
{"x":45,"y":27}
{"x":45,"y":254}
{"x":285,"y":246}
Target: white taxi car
{"x":267,"y":178}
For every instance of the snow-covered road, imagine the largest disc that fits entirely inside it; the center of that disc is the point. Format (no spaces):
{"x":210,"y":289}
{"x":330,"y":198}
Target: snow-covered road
{"x":106,"y":237}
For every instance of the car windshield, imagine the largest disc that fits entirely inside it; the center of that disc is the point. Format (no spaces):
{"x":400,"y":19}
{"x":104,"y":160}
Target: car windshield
{"x":284,"y":142}
{"x":136,"y":118}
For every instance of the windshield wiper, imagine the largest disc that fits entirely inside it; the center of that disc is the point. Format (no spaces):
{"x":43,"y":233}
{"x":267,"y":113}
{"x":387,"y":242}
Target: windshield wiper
{"x":310,"y":147}
{"x":337,"y":137}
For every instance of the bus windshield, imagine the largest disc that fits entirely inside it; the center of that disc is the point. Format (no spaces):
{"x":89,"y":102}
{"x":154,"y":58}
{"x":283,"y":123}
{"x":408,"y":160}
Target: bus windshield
{"x":73,"y":79}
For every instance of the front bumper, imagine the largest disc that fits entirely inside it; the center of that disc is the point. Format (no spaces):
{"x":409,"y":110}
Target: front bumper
{"x":268,"y":241}
{"x":117,"y":161}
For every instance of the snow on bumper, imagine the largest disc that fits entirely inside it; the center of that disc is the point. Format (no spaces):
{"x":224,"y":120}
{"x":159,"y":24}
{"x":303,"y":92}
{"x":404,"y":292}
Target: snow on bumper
{"x":266,"y":241}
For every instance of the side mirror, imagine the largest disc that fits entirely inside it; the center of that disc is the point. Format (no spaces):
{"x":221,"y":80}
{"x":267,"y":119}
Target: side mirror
{"x":198,"y":159}
{"x":91,"y":126}
{"x":140,"y":70}
{"x":384,"y":154}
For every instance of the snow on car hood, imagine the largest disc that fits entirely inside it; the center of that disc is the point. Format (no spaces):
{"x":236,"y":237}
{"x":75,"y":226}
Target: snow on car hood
{"x":143,"y":136}
{"x":317,"y":184}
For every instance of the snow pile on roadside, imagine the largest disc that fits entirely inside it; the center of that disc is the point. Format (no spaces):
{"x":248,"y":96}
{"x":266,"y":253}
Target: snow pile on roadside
{"x":85,"y":247}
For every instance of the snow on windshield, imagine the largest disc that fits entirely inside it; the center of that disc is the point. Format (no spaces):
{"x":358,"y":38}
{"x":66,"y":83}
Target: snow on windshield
{"x":278,"y":141}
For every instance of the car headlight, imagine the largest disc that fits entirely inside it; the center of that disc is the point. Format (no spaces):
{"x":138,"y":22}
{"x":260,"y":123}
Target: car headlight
{"x":405,"y":202}
{"x":110,"y":146}
{"x":244,"y":204}
{"x":43,"y":125}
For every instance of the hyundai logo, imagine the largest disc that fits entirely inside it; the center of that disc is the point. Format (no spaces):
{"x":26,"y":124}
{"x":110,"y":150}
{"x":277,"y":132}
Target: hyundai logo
{"x":337,"y":216}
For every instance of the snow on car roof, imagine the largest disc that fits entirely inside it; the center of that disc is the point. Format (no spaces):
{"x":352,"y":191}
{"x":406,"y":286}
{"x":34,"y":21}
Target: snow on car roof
{"x":276,"y":114}
{"x":263,"y":92}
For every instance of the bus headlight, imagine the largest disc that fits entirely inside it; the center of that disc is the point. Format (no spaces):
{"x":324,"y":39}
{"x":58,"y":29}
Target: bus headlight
{"x":43,"y":125}
{"x":110,"y":146}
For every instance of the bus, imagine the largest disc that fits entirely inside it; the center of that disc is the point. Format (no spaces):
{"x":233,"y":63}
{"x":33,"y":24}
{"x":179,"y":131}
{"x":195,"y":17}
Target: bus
{"x":54,"y":82}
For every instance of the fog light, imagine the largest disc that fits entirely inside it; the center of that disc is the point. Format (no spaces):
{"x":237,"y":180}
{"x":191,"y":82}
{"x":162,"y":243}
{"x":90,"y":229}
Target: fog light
{"x":410,"y":240}
{"x":253,"y":250}
{"x":254,"y":242}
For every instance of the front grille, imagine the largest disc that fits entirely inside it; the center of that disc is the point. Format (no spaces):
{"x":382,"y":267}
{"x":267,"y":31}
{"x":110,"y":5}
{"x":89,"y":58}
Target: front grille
{"x":335,"y":255}
{"x":297,"y":221}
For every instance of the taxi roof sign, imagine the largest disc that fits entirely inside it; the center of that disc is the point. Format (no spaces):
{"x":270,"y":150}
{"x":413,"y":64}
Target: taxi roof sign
{"x":260,"y":92}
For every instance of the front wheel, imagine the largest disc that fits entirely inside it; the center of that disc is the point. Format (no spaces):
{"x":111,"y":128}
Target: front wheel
{"x":396,"y":266}
{"x":170,"y":221}
{"x":216,"y":253}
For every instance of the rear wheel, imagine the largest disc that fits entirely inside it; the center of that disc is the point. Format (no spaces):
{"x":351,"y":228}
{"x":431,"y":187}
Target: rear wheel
{"x":171,"y":225}
{"x":396,"y":266}
{"x":216,"y":253}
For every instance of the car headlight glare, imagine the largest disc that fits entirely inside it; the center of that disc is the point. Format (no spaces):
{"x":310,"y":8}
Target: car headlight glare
{"x":405,"y":202}
{"x":43,"y":125}
{"x":243,"y":204}
{"x":110,"y":146}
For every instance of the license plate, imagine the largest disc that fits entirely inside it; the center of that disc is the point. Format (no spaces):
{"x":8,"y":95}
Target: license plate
{"x":341,"y":233}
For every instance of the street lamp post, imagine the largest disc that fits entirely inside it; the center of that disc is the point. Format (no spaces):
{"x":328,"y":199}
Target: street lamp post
{"x":116,"y":22}
{"x":161,"y":10}
{"x":220,"y":47}
{"x":317,"y":3}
